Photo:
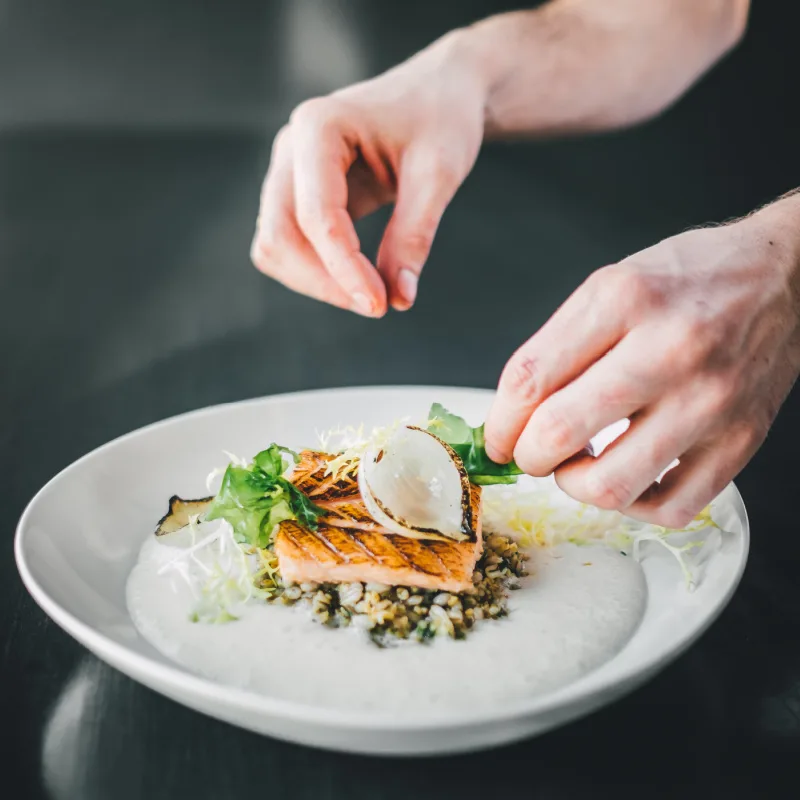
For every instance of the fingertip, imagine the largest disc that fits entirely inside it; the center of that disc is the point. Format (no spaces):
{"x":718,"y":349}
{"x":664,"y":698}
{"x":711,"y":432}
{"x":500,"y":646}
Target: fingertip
{"x":570,"y":476}
{"x":402,"y":300}
{"x":401,"y":282}
{"x":497,"y":455}
{"x":406,"y":287}
{"x":500,"y":436}
{"x":372,"y":285}
{"x":372,"y":313}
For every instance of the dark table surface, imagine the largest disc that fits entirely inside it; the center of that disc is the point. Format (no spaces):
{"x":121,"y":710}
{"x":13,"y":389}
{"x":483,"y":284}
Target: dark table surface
{"x":133,"y":139}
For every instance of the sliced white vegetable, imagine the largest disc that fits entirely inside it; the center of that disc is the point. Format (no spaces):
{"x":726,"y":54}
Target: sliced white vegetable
{"x":415,"y":485}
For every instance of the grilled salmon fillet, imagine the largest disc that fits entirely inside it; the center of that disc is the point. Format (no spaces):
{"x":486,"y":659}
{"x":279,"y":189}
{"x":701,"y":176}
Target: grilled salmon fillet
{"x":349,"y":545}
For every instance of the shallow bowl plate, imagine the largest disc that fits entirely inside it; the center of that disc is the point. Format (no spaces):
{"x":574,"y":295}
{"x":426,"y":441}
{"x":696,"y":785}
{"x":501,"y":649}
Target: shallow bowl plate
{"x":80,"y":536}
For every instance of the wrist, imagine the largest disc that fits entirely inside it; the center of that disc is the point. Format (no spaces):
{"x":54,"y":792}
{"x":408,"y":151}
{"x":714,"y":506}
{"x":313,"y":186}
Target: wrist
{"x":777,"y":227}
{"x":460,"y":55}
{"x":489,"y":49}
{"x":492,"y":52}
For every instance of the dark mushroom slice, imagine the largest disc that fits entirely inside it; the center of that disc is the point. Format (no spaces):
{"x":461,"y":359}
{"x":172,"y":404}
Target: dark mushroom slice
{"x":180,"y":514}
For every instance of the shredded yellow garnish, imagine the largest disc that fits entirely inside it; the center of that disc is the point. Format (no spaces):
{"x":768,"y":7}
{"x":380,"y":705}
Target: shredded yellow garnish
{"x":266,"y":576}
{"x":545,"y":517}
{"x":350,"y":444}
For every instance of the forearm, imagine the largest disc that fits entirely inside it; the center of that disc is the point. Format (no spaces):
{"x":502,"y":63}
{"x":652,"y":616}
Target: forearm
{"x":585,"y":65}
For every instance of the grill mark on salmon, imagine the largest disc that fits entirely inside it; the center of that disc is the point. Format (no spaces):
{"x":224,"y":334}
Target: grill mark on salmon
{"x":452,"y":560}
{"x":310,"y":477}
{"x":350,"y":514}
{"x":312,"y":546}
{"x":344,"y":543}
{"x":424,"y":559}
{"x":349,"y":545}
{"x":382,"y":548}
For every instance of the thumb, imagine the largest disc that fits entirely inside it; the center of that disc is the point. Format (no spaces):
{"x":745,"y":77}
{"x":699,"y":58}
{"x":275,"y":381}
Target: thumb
{"x":426,"y":184}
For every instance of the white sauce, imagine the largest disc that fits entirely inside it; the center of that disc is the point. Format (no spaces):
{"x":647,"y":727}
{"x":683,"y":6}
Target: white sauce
{"x":567,"y":619}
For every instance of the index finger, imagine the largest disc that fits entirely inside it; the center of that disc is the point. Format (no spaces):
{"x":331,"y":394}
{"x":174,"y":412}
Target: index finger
{"x":322,"y":157}
{"x":582,"y":330}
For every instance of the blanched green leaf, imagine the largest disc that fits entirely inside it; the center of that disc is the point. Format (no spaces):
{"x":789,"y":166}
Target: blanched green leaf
{"x":271,"y":460}
{"x":448,"y":427}
{"x":470,"y":445}
{"x":256,"y":498}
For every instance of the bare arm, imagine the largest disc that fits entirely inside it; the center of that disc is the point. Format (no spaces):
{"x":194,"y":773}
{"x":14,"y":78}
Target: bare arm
{"x":581,"y":65}
{"x":695,"y":340}
{"x":411,"y":135}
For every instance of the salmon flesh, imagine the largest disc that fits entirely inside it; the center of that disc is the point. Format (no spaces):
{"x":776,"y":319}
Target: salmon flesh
{"x":349,"y":545}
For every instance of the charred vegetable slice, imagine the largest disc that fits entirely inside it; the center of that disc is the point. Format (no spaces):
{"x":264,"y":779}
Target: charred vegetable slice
{"x":180,"y":513}
{"x":415,"y":485}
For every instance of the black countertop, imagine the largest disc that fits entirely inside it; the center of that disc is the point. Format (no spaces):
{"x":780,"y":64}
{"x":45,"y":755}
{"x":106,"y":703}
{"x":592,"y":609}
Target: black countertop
{"x":132,"y":146}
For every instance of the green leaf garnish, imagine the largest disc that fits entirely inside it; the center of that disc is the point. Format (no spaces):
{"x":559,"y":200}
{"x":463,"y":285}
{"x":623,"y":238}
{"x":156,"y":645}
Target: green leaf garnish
{"x":256,"y":498}
{"x":470,"y":445}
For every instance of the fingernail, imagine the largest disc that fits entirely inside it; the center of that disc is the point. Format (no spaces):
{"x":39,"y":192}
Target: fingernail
{"x":362,"y":304}
{"x":407,"y":285}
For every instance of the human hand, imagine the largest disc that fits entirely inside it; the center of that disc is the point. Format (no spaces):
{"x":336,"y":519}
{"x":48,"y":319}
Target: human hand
{"x":696,"y":340}
{"x":410,"y":137}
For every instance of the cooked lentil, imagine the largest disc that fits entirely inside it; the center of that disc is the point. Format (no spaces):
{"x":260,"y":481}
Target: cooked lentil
{"x":392,"y":613}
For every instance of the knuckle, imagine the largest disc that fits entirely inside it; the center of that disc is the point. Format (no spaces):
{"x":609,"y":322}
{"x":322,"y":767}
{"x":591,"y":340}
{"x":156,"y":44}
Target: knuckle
{"x":600,"y":282}
{"x":556,"y":434}
{"x":521,"y":377}
{"x":316,"y":225}
{"x":311,"y":113}
{"x":263,"y":254}
{"x":749,"y":435}
{"x":607,"y":491}
{"x":700,"y":342}
{"x":280,"y":141}
{"x":416,"y":246}
{"x":627,"y":288}
{"x":328,"y":226}
{"x":718,"y":395}
{"x":640,"y":292}
{"x":685,"y":350}
{"x":446,"y":173}
{"x":623,"y":281}
{"x":614,"y":397}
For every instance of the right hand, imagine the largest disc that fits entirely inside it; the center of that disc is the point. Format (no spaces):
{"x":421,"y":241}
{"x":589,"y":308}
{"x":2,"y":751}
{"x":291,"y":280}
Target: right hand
{"x":409,"y":136}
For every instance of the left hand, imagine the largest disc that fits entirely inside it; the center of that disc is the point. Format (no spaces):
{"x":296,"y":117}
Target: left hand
{"x":696,"y":340}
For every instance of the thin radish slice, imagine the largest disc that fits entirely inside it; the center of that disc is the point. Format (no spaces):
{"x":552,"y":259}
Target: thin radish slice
{"x":416,"y":486}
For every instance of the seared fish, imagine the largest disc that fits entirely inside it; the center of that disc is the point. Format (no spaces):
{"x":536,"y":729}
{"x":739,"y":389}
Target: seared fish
{"x":349,"y":545}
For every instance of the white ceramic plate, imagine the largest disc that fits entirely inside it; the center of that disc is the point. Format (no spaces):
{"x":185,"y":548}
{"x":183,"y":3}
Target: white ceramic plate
{"x":79,"y":538}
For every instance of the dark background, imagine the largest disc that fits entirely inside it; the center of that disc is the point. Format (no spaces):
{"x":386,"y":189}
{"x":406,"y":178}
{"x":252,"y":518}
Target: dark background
{"x":133,"y":140}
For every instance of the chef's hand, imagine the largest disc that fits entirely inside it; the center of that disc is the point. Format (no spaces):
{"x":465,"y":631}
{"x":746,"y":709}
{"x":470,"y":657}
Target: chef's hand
{"x":410,"y":137}
{"x":695,"y":340}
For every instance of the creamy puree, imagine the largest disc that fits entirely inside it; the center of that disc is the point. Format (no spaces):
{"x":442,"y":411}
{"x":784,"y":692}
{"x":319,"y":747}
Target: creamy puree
{"x":576,"y":610}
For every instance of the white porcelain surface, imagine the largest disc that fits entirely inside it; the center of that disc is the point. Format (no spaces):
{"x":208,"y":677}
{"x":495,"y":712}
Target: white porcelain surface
{"x":79,"y":538}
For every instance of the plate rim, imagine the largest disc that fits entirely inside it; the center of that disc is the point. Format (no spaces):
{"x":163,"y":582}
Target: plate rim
{"x":183,"y":682}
